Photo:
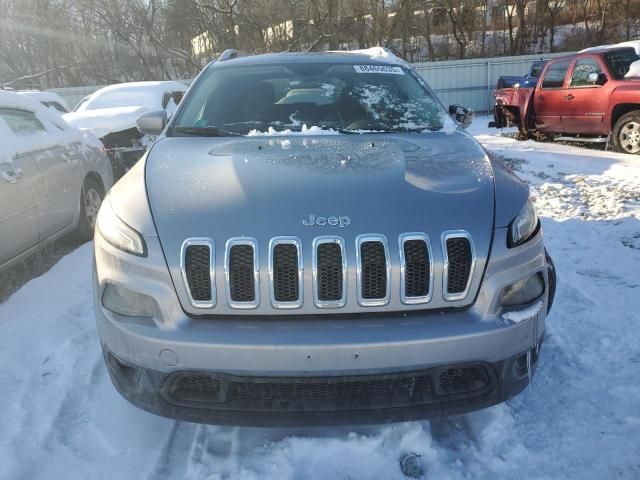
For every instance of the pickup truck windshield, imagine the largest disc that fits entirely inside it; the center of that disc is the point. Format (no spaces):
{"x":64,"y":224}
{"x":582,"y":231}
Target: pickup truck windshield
{"x":349,"y":98}
{"x":619,"y":61}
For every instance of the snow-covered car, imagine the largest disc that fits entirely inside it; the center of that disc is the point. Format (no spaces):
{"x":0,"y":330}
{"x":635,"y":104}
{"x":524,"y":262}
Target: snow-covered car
{"x":111,"y":113}
{"x":345,"y":253}
{"x":50,"y":100}
{"x":53,"y":178}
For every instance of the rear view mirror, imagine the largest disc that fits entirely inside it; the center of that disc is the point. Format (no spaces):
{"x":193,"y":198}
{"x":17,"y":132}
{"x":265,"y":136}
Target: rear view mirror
{"x":152,"y":123}
{"x":462,"y":115}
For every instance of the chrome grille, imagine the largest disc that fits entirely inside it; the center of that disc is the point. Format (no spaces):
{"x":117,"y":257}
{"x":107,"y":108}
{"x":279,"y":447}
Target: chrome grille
{"x":242,"y":273}
{"x":459,"y":260}
{"x":198,"y":271}
{"x":375,"y":276}
{"x":373,"y":270}
{"x":416,"y":276}
{"x":285,"y":269}
{"x":329,"y":272}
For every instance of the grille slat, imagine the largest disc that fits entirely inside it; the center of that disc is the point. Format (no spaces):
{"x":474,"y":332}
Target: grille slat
{"x":242,"y":286}
{"x":459,"y":256}
{"x":330,"y":274}
{"x":373,"y":264}
{"x":197,"y":266}
{"x":286,"y":284}
{"x":417,"y":268}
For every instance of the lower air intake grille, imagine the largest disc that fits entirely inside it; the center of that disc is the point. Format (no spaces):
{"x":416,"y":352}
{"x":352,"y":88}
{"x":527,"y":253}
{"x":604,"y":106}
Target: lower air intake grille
{"x":285,"y":273}
{"x":332,"y":389}
{"x":459,"y":257}
{"x":329,"y":265}
{"x":197,"y":270}
{"x":465,"y":378}
{"x":374,"y":270}
{"x":224,"y":392}
{"x":417,"y":261}
{"x":241,"y":274}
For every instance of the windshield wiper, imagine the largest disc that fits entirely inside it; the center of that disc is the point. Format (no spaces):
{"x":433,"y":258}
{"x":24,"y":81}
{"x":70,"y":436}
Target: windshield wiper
{"x":208,"y":131}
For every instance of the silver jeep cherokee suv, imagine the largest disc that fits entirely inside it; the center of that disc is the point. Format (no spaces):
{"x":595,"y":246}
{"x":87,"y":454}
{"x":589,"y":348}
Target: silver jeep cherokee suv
{"x":314,"y":240}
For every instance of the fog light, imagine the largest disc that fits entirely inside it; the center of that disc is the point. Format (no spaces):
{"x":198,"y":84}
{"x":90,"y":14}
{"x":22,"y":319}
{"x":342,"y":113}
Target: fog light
{"x":523,"y":292}
{"x":125,"y":302}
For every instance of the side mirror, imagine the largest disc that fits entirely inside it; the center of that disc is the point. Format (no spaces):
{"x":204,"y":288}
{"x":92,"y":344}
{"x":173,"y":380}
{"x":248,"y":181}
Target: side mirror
{"x":593,"y":77}
{"x":152,"y":123}
{"x":602,"y":79}
{"x":462,"y":115}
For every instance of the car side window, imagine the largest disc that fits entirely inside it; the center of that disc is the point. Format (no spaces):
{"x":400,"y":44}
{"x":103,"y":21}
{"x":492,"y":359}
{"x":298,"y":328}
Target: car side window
{"x":21,"y":122}
{"x":581,"y":71}
{"x":56,"y":105}
{"x":554,"y":77}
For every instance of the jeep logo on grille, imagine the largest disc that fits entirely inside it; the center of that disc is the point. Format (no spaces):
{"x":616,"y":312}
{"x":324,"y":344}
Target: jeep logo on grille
{"x":340,"y":221}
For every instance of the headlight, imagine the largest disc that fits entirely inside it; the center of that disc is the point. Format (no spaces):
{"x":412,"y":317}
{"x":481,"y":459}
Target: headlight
{"x":118,"y":233}
{"x":523,"y":292}
{"x":524,"y":226}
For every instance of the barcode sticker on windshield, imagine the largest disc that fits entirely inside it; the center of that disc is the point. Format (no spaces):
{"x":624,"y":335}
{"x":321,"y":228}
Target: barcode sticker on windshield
{"x":379,"y":69}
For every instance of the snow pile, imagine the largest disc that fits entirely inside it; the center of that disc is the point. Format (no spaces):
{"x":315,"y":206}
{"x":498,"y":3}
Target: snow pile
{"x":634,"y":70}
{"x":518,"y":316}
{"x":313,"y":130}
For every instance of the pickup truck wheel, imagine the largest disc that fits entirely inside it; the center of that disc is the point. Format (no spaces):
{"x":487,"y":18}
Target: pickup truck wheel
{"x":90,"y":202}
{"x":626,"y":133}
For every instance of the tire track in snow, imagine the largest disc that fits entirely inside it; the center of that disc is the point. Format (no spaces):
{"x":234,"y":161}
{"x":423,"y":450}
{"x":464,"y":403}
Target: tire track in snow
{"x":174,"y":455}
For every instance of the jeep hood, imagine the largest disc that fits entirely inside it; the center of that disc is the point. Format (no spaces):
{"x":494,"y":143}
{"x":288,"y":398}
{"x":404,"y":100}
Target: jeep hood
{"x":263,"y":187}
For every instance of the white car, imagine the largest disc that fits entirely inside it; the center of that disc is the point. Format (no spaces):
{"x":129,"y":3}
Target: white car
{"x":53,"y":178}
{"x":111,"y":114}
{"x":116,"y":107}
{"x":51,"y":100}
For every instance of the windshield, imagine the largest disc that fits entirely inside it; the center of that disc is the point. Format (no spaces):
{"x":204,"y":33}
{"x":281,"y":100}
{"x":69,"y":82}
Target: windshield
{"x":254,"y":99}
{"x":619,"y":61}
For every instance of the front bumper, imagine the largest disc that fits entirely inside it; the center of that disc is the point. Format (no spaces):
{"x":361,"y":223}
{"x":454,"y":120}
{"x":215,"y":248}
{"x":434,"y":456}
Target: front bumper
{"x":218,"y":398}
{"x":337,"y":369}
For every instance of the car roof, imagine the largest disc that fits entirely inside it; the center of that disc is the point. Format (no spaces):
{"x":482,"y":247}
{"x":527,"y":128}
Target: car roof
{"x":375,"y":56}
{"x":44,"y":96}
{"x":590,"y":52}
{"x":142,"y":86}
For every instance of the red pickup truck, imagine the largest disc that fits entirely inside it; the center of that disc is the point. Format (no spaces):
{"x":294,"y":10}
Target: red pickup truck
{"x":586,"y":97}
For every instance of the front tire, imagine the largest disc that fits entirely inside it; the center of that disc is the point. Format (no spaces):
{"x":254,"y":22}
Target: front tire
{"x":626,"y":133}
{"x":90,"y":202}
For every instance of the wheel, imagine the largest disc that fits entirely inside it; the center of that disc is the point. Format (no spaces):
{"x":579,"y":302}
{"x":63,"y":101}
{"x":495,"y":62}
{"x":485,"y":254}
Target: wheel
{"x":90,"y":201}
{"x":626,"y":133}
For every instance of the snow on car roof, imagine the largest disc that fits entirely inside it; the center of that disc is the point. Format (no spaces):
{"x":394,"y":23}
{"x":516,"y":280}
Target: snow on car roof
{"x":44,"y":96}
{"x":635,"y":44}
{"x":139,"y":94}
{"x":26,"y":102}
{"x":375,"y":53}
{"x":57,"y":129}
{"x":147,"y":86}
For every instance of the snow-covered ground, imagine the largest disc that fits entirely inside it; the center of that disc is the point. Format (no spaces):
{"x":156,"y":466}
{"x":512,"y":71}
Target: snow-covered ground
{"x":580,"y":419}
